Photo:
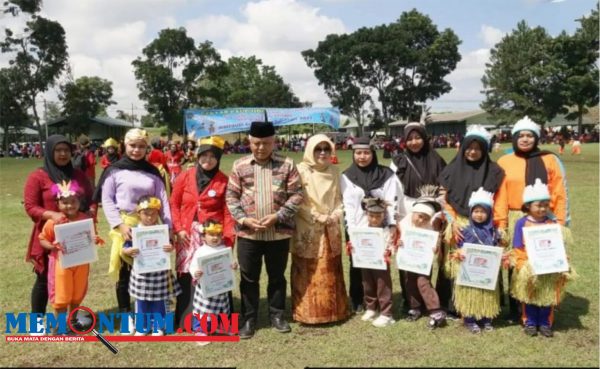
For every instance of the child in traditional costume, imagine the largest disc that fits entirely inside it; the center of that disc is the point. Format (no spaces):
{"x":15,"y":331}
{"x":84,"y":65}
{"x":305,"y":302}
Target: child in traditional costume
{"x":377,"y":284}
{"x":210,"y":242}
{"x":477,"y":306}
{"x":66,"y":286}
{"x":112,"y":155}
{"x":151,"y":290}
{"x":538,"y":293}
{"x":422,"y":297}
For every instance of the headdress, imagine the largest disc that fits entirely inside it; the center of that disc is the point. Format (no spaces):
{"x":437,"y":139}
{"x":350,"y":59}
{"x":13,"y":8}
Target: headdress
{"x":374,"y":204}
{"x":481,"y":197}
{"x":150,"y":203}
{"x":262,"y":129}
{"x":66,"y":189}
{"x":136,"y":134}
{"x":526,"y":124}
{"x":536,"y":192}
{"x":110,"y":142}
{"x":479,"y":131}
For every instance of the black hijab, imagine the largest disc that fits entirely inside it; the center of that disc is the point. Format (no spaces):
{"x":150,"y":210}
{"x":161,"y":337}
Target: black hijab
{"x":462,"y":177}
{"x":203,"y":177}
{"x":124,"y":163}
{"x":427,"y":162}
{"x":370,"y":177}
{"x":534,"y":165}
{"x":57,"y":173}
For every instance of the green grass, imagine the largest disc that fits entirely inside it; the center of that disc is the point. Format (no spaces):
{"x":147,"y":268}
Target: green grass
{"x":351,"y":343}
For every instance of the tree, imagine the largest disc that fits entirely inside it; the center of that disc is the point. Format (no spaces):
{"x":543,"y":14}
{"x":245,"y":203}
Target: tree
{"x":12,"y":114}
{"x":83,"y":99}
{"x":127,"y":117}
{"x":403,"y":63}
{"x":168,"y":72}
{"x":39,"y":57}
{"x":249,"y":83}
{"x":523,"y":77}
{"x":14,"y":7}
{"x":578,"y":55}
{"x":52,"y":111}
{"x":148,"y":121}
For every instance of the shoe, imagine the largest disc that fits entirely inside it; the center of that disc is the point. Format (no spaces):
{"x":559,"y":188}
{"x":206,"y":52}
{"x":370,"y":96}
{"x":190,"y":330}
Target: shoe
{"x":280,"y":324}
{"x":546,"y":331}
{"x":530,"y":330}
{"x":131,"y":325}
{"x":453,"y":316}
{"x":488,"y":327}
{"x":436,"y":320}
{"x":202,"y":343}
{"x":248,"y":329}
{"x":158,"y":333}
{"x":368,"y":315}
{"x":38,"y":327}
{"x":473,"y":328}
{"x":383,"y":321}
{"x":137,"y":334}
{"x":413,"y":315}
{"x":359,"y":309}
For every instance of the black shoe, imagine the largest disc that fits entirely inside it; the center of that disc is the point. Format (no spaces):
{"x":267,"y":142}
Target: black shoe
{"x":359,"y":309}
{"x":413,"y":315}
{"x":530,"y":330}
{"x":248,"y":329}
{"x":280,"y":324}
{"x":546,"y":331}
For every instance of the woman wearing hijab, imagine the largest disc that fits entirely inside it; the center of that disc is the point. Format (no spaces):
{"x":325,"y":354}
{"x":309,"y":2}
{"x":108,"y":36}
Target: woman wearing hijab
{"x":317,"y":279}
{"x":417,"y":166}
{"x":40,"y":205}
{"x":199,"y":195}
{"x":366,"y":178}
{"x":522,"y":168}
{"x":120,"y":187}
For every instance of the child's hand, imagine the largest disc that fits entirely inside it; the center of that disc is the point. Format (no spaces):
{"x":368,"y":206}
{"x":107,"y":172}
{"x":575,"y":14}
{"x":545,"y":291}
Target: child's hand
{"x":460,"y":254}
{"x":168,"y":248}
{"x":198,"y":274}
{"x":457,"y":232}
{"x":387,"y":255}
{"x":58,"y":246}
{"x":234,"y":265}
{"x":349,"y":248}
{"x":131,"y":251}
{"x":99,"y":241}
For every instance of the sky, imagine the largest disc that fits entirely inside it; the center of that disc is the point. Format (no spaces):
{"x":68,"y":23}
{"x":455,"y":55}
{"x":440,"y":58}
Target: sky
{"x":105,"y":36}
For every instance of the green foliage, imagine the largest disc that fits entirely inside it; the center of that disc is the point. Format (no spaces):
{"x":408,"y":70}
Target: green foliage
{"x":12,"y":113}
{"x":14,"y":7}
{"x":404,"y":62}
{"x":85,"y":98}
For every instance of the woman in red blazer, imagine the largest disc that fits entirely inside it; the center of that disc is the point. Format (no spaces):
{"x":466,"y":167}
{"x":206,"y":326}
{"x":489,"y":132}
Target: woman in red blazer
{"x":198,"y":195}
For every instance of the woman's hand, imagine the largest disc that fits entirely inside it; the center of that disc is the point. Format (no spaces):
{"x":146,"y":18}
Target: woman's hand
{"x":131,"y":251}
{"x":506,"y":260}
{"x":125,"y":231}
{"x":56,"y":216}
{"x":168,"y":248}
{"x":234,"y":265}
{"x":183,"y":236}
{"x":198,"y":274}
{"x":349,"y":248}
{"x":58,"y":246}
{"x":457,"y":232}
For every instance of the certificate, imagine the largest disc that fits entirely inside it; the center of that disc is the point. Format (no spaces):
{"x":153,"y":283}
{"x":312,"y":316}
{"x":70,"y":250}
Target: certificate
{"x":369,"y":247}
{"x":480,"y":267}
{"x":416,"y":254}
{"x":150,"y":241}
{"x":545,"y":249}
{"x":217,"y":275}
{"x":77,"y":239}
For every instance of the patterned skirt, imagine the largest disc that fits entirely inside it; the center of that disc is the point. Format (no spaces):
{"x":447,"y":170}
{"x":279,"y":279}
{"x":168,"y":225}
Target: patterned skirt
{"x":154,"y":286}
{"x":211,"y":305}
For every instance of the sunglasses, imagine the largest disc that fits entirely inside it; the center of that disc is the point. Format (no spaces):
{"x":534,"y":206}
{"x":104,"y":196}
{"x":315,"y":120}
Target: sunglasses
{"x":323,"y":149}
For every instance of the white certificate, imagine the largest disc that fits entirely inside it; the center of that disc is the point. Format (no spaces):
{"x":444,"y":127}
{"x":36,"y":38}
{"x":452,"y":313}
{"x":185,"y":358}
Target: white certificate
{"x":480,"y":267}
{"x":77,"y":239}
{"x":368,"y":248}
{"x":217,"y":275}
{"x":416,"y":254}
{"x":545,"y":249}
{"x":150,"y":241}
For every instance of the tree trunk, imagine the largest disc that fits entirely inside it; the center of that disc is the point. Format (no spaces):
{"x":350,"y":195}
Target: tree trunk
{"x":37,"y":119}
{"x":579,"y":120}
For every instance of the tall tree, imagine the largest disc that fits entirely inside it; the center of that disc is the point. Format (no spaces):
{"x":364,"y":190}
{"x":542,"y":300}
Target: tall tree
{"x":14,"y":7}
{"x":578,"y":55}
{"x":12,"y":114}
{"x":168,"y":71}
{"x":403,"y":63}
{"x":523,"y":77}
{"x":39,"y":56}
{"x":85,"y":98}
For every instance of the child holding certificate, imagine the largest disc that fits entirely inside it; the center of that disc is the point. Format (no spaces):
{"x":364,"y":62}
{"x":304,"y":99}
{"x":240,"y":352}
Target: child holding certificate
{"x":212,"y":241}
{"x":66,"y":286}
{"x":538,"y":293}
{"x":377,"y":284}
{"x":477,"y":306}
{"x":421,"y":295}
{"x":151,"y":290}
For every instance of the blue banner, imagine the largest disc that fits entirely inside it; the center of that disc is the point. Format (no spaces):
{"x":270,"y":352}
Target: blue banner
{"x":208,"y":122}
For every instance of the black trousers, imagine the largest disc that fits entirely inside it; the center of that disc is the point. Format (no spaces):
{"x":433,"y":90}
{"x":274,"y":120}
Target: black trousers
{"x":250,"y":257}
{"x":122,"y":287}
{"x":356,"y":288}
{"x":39,"y":292}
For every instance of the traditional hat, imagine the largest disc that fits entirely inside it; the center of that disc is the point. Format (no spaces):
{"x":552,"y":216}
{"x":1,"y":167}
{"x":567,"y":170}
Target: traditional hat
{"x":481,"y":197}
{"x":150,"y":203}
{"x":478,"y":131}
{"x":84,"y":141}
{"x":210,"y":143}
{"x":213,"y":228}
{"x":424,"y":207}
{"x":536,"y":192}
{"x":110,"y":142}
{"x":262,"y":129}
{"x":136,"y":134}
{"x":427,"y":203}
{"x":362,"y":143}
{"x":526,"y":124}
{"x":374,"y":204}
{"x":66,"y":189}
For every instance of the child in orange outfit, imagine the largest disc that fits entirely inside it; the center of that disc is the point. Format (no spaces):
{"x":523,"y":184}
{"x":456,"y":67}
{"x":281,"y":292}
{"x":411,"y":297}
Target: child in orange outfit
{"x":66,"y":286}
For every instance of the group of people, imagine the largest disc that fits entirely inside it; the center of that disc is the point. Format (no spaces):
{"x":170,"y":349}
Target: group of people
{"x":269,"y":208}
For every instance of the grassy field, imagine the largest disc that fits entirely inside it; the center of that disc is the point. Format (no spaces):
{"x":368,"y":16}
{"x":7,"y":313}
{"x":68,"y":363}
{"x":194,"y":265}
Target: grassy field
{"x":351,"y":343}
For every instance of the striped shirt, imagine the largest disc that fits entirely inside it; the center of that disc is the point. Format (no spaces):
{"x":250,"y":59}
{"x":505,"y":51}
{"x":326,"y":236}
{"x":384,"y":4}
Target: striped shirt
{"x":257,"y":190}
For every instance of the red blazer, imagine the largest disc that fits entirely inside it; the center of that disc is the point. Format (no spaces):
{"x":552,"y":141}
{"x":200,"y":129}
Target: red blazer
{"x":38,"y":198}
{"x":186,"y":202}
{"x":90,"y":170}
